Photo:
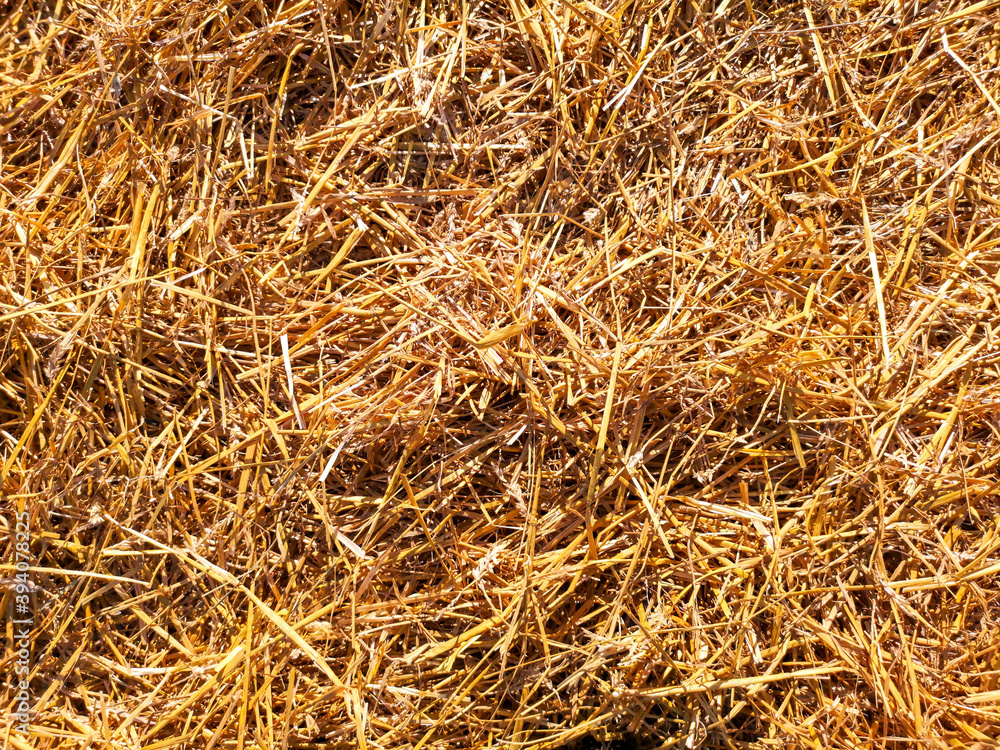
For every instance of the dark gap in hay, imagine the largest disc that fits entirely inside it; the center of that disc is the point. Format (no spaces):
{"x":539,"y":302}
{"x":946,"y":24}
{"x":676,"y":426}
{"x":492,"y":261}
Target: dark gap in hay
{"x":624,"y":742}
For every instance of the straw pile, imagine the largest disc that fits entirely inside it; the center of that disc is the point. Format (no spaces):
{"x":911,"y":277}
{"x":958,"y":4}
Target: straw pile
{"x":503,"y":373}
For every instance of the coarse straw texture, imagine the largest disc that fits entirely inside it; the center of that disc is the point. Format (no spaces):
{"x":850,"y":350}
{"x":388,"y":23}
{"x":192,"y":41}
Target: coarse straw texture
{"x":425,"y":374}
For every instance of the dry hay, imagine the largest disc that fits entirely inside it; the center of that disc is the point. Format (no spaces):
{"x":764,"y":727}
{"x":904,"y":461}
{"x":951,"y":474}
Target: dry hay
{"x":497,"y":373}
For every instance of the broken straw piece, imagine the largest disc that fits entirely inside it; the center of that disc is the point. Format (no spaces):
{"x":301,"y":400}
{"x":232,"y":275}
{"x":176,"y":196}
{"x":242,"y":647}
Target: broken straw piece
{"x":291,"y":384}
